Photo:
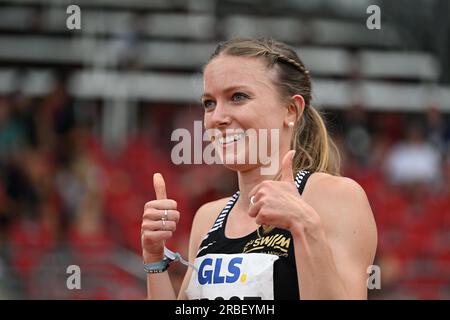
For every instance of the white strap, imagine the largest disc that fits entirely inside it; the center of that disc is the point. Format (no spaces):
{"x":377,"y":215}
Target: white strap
{"x":176,"y":256}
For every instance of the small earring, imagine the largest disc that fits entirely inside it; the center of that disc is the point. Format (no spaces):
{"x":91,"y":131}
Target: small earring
{"x":291,"y":124}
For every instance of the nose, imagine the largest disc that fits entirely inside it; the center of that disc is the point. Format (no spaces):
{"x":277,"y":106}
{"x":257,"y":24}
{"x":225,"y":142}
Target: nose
{"x":219,"y":117}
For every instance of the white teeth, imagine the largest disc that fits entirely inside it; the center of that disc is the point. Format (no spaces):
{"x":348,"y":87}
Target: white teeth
{"x":231,"y":138}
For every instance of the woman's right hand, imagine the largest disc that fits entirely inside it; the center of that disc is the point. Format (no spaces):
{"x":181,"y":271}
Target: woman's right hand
{"x":155,"y":231}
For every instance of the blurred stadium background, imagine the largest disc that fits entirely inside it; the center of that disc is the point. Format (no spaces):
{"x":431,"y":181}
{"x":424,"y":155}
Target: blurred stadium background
{"x":86,"y":117}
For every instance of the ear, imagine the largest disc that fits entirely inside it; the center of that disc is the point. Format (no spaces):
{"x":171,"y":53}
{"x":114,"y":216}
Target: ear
{"x":295,"y":109}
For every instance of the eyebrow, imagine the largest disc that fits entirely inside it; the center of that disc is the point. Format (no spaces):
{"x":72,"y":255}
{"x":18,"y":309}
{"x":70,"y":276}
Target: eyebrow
{"x":232,"y":88}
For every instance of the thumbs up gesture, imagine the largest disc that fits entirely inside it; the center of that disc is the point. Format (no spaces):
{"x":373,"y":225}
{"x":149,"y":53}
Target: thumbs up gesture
{"x":159,"y":221}
{"x":278,"y":203}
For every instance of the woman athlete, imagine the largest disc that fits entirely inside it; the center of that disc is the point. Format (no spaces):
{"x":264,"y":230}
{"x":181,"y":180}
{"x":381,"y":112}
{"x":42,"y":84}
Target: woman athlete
{"x":303,"y":232}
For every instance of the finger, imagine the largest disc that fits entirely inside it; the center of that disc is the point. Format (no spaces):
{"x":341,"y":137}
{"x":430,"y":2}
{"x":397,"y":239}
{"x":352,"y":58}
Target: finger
{"x":168,"y":204}
{"x":150,"y":237}
{"x":254,"y":191}
{"x":160,"y":186}
{"x":286,"y":167}
{"x":262,"y":220}
{"x":254,"y":209}
{"x":158,"y":225}
{"x":154,"y":214}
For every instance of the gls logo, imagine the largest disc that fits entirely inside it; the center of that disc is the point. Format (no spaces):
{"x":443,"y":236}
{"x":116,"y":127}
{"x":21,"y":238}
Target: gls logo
{"x":209,"y":271}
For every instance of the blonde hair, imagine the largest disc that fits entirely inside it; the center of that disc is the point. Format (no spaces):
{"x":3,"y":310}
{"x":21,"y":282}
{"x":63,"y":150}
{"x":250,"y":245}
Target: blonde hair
{"x":315,"y":149}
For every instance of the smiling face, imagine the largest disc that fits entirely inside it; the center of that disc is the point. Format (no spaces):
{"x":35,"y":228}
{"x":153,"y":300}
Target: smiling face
{"x":239,"y":94}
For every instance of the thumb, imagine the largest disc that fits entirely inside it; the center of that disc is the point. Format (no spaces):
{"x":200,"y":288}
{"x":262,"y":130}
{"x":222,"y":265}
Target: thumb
{"x":160,"y":186}
{"x":286,"y":167}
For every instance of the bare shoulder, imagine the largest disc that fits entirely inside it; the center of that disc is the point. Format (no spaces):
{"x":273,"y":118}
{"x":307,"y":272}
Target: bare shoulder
{"x":210,"y":210}
{"x":206,"y":215}
{"x":322,"y":184}
{"x":339,"y":201}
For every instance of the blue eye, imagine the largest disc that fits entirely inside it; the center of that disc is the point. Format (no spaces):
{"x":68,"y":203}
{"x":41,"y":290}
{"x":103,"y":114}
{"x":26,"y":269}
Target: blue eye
{"x":239,"y":96}
{"x":208,"y":104}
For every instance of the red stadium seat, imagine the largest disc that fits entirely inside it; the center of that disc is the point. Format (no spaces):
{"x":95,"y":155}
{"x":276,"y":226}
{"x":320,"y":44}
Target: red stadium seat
{"x":29,"y":242}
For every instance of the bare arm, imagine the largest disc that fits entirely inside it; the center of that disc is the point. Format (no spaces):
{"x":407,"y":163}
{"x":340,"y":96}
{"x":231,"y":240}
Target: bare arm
{"x":334,"y":251}
{"x":154,"y":233}
{"x":159,"y":287}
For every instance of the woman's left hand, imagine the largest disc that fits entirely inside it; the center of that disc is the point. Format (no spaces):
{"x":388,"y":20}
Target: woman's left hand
{"x":278,"y":203}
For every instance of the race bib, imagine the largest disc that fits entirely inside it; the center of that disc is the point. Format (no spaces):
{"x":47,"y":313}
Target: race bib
{"x":232,"y":276}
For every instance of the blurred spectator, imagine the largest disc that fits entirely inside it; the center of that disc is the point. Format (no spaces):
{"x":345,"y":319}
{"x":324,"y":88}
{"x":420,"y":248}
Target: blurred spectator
{"x":357,"y":137}
{"x":438,"y":131}
{"x":12,"y":131}
{"x":413,"y":160}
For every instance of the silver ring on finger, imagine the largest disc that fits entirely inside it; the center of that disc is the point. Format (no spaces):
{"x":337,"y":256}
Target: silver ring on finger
{"x":252,"y":200}
{"x":163,"y":224}
{"x":165,"y":215}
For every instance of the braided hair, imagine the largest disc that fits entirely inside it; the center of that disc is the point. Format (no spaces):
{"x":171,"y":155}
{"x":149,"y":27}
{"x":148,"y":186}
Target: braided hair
{"x":316,"y":151}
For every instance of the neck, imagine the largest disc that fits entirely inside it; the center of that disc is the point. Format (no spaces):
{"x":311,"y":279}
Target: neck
{"x":251,"y":178}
